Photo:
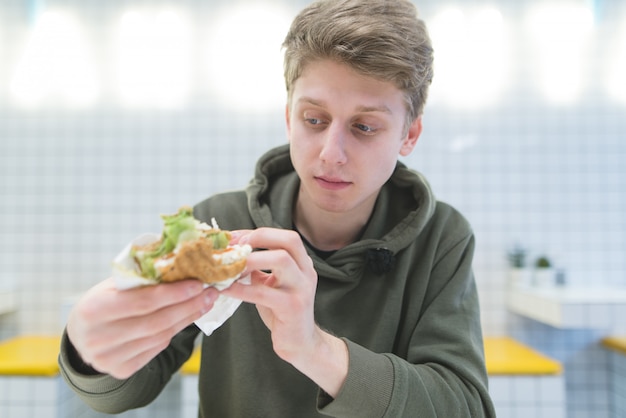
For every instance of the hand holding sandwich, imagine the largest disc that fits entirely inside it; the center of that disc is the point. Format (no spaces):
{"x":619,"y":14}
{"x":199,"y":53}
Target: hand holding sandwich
{"x":283,"y":287}
{"x":118,"y":332}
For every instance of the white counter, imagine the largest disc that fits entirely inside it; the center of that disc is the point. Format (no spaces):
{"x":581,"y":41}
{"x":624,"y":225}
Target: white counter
{"x":571,"y":307}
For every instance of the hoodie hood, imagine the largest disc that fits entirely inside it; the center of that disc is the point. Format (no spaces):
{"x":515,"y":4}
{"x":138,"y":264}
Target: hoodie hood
{"x":403,"y":208}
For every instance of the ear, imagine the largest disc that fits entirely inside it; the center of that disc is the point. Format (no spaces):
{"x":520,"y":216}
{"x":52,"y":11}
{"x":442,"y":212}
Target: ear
{"x":288,"y":122}
{"x":408,"y":143}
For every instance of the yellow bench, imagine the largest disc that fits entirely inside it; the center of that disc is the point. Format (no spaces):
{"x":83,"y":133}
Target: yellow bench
{"x":30,"y":381}
{"x":505,"y":356}
{"x":30,"y":356}
{"x":615,"y":343}
{"x":192,"y":365}
{"x":31,"y":384}
{"x":521,"y":378}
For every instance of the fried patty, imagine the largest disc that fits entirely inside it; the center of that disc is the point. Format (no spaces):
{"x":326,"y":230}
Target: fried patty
{"x":194,"y":260}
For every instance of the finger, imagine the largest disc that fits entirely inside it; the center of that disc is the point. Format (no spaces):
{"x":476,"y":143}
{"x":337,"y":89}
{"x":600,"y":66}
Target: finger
{"x":280,"y":262}
{"x":274,"y":239}
{"x":106,"y":303}
{"x":153,"y":298}
{"x":283,"y":304}
{"x":132,"y":356}
{"x":124,"y":361}
{"x":237,"y":235}
{"x":256,"y":294}
{"x":128,"y":355}
{"x":127,"y":330}
{"x":262,"y":278}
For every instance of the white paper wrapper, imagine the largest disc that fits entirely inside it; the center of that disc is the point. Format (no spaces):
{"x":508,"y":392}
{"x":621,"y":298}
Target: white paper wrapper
{"x":126,"y":276}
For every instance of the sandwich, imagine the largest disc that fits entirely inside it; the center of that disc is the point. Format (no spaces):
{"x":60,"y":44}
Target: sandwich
{"x":190,"y":249}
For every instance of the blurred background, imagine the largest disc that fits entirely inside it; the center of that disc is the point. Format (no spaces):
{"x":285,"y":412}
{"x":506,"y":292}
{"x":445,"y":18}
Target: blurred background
{"x":113,"y":112}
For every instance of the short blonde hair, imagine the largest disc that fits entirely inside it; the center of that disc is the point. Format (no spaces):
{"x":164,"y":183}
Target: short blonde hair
{"x":383,"y":39}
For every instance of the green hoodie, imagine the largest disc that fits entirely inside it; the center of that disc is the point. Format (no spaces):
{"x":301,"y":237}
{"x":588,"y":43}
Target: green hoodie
{"x":403,"y":298}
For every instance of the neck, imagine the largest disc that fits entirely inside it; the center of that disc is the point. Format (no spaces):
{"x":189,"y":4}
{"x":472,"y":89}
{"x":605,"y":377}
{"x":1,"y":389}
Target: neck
{"x":328,"y":231}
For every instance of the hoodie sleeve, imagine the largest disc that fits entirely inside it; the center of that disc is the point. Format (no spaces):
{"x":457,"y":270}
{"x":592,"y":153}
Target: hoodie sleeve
{"x":104,"y":393}
{"x":443,"y":374}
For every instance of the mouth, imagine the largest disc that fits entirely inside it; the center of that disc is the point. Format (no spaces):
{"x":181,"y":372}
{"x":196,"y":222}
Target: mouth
{"x":332,"y":183}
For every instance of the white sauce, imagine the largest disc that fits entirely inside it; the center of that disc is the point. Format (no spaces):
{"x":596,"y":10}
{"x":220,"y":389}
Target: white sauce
{"x":236,"y":253}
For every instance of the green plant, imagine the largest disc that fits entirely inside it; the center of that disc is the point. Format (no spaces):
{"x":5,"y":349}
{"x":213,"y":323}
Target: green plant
{"x":517,"y":257}
{"x":543,"y":263}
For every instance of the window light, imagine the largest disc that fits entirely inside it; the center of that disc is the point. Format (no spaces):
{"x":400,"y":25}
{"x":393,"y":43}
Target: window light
{"x":153,"y":61}
{"x":617,"y":67}
{"x":56,"y":64}
{"x":244,"y":59}
{"x":559,"y":34}
{"x":473,"y":56}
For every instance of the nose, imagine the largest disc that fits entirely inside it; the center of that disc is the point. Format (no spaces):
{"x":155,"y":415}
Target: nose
{"x":334,"y":146}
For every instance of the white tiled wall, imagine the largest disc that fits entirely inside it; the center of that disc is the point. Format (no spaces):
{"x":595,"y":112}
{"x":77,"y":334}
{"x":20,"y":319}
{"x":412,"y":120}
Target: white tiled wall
{"x":17,"y":395}
{"x":76,"y":185}
{"x":528,"y":396}
{"x":35,"y":397}
{"x":50,"y":397}
{"x":189,"y":396}
{"x":617,"y":392}
{"x":585,"y":363}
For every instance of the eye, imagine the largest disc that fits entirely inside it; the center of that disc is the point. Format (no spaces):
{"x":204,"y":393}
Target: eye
{"x":313,"y":121}
{"x":365,"y":129}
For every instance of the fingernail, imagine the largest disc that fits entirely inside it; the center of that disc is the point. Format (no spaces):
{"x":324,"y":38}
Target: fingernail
{"x":209,"y":300}
{"x":210,"y":296}
{"x":194,"y":288}
{"x":239,"y":237}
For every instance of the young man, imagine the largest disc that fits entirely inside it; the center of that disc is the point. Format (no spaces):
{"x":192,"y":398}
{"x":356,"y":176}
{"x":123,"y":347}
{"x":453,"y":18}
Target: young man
{"x":363,"y":303}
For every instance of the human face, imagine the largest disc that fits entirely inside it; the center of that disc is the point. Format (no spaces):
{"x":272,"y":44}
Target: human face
{"x":346,"y":131}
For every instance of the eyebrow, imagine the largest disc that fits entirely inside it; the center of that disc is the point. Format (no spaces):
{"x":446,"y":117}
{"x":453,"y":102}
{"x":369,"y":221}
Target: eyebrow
{"x":363,"y":109}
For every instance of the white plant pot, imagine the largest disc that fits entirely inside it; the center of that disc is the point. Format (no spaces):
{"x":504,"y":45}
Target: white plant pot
{"x":544,"y":277}
{"x":518,"y":277}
